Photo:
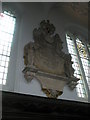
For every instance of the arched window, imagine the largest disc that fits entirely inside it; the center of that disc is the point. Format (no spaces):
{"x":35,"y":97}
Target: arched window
{"x":7,"y":26}
{"x":81,"y":63}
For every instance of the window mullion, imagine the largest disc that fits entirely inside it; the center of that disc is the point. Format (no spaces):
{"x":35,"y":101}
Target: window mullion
{"x":87,"y":49}
{"x":81,"y":68}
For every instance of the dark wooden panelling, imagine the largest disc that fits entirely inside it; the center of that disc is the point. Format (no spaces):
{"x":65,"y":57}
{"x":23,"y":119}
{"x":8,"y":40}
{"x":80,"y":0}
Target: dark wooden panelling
{"x":17,"y":106}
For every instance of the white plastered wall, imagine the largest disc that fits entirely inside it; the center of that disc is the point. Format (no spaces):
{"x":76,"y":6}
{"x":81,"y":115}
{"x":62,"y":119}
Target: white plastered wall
{"x":29,"y":20}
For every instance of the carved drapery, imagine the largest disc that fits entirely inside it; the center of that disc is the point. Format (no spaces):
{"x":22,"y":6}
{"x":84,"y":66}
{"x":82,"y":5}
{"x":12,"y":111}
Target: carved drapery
{"x":45,"y":60}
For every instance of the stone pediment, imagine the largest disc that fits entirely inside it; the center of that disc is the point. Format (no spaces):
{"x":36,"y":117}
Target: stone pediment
{"x":45,"y":60}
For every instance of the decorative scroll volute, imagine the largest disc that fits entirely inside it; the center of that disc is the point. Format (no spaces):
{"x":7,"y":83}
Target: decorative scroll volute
{"x":44,"y":57}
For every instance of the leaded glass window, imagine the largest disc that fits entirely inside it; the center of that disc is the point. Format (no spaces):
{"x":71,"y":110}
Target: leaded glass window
{"x":7,"y":25}
{"x":85,"y":61}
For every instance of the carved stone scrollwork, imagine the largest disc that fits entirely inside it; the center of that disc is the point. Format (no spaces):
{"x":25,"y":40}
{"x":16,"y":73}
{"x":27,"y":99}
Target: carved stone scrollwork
{"x":45,"y":60}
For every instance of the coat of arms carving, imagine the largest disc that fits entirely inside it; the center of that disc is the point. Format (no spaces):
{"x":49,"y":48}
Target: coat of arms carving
{"x":45,"y":60}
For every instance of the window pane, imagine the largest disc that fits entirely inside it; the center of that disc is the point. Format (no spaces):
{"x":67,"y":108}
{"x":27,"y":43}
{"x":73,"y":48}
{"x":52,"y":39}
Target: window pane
{"x":84,"y":59}
{"x":7,"y":25}
{"x":77,"y":73}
